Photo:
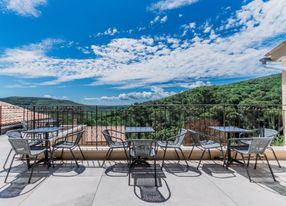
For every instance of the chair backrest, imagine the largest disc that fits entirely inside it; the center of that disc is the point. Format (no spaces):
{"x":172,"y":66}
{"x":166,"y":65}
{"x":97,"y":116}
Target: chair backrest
{"x":265,"y":132}
{"x":20,"y":146}
{"x":79,"y":136}
{"x":258,"y":145}
{"x":14,"y":133}
{"x":195,"y":137}
{"x":142,"y":147}
{"x":107,"y":137}
{"x":180,"y":136}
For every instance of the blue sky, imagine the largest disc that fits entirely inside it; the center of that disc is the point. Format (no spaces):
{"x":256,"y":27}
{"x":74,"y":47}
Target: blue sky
{"x":126,"y":51}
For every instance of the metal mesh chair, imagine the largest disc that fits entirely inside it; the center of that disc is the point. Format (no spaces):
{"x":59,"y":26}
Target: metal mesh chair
{"x":18,"y":134}
{"x":257,"y":147}
{"x":65,"y":143}
{"x":142,"y":149}
{"x":174,"y":143}
{"x":22,"y":147}
{"x":114,"y":142}
{"x":265,"y":132}
{"x":262,"y":133}
{"x":204,"y":143}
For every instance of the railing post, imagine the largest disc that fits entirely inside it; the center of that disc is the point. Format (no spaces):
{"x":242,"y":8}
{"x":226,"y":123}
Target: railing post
{"x":284,"y":103}
{"x":96,"y":127}
{"x":34,"y":117}
{"x":0,"y":120}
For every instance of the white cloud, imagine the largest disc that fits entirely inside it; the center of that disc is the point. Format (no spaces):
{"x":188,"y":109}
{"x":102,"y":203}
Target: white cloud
{"x":164,"y":19}
{"x":109,"y":32}
{"x":159,"y":19}
{"x":24,"y":7}
{"x":54,"y":97}
{"x":143,"y":62}
{"x":163,"y":5}
{"x":188,"y":27}
{"x":153,"y":94}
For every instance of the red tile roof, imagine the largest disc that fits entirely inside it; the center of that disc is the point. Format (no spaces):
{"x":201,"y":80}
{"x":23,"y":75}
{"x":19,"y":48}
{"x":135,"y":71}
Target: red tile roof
{"x":11,"y":114}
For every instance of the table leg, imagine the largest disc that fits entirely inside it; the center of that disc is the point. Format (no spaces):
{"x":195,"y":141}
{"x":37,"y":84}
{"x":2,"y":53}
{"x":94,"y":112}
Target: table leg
{"x":47,"y":149}
{"x":228,"y":150}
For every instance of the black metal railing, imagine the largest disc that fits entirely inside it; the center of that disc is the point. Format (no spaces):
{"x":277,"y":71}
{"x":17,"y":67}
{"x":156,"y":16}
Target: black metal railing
{"x":165,"y":119}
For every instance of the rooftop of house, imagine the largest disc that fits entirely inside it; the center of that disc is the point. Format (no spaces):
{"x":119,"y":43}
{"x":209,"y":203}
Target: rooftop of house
{"x":11,"y":114}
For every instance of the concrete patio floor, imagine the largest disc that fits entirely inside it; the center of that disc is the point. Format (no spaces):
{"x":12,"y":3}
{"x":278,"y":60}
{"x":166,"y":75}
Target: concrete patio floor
{"x":91,"y":185}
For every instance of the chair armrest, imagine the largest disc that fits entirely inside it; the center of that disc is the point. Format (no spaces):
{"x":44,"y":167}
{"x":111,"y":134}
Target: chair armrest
{"x":239,"y":139}
{"x":117,"y":138}
{"x":116,"y":131}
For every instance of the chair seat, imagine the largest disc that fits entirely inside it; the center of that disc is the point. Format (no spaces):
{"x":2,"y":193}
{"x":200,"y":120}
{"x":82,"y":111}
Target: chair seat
{"x":64,"y":145}
{"x":152,"y":153}
{"x":241,"y":150}
{"x":117,"y":145}
{"x":37,"y":150}
{"x":209,"y":144}
{"x":171,"y":144}
{"x":35,"y":142}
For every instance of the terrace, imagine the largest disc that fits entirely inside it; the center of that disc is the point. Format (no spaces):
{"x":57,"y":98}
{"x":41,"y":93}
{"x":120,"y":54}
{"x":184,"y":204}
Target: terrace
{"x":92,"y":184}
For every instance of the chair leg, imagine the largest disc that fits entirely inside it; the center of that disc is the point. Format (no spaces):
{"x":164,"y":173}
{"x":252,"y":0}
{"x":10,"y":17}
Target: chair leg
{"x":74,"y":157}
{"x":178,"y":156}
{"x":155,"y":171}
{"x":255,"y":165}
{"x":184,"y":157}
{"x":32,"y":169}
{"x":7,"y":158}
{"x":129,"y":172}
{"x":191,"y":152}
{"x":224,"y":160}
{"x":106,"y":156}
{"x":201,"y":159}
{"x":81,"y":152}
{"x":235,"y":156}
{"x":269,"y":167}
{"x":62,"y":153}
{"x":210,"y":154}
{"x":246,"y":168}
{"x":127,"y":158}
{"x":248,"y":159}
{"x":275,"y":156}
{"x":52,"y":157}
{"x":165,"y":150}
{"x":9,"y":168}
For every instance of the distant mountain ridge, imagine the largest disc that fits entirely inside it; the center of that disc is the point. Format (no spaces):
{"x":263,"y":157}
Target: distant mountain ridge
{"x":39,"y":101}
{"x":263,"y":90}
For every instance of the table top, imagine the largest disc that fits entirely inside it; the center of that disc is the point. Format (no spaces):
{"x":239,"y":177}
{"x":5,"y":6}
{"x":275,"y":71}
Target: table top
{"x":44,"y":130}
{"x":230,"y":129}
{"x":139,"y":130}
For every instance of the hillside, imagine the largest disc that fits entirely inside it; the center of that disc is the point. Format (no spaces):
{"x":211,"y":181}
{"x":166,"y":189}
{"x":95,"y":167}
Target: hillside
{"x":38,"y":101}
{"x":264,"y":90}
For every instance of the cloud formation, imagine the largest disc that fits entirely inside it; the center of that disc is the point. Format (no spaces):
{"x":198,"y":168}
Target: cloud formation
{"x":163,"y":5}
{"x":153,"y":94}
{"x":24,"y":7}
{"x":148,"y":60}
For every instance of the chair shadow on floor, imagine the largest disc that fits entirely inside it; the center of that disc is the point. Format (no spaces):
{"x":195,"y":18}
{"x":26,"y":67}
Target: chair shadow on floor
{"x":117,"y":170}
{"x":144,"y":185}
{"x":262,"y":177}
{"x":18,"y":185}
{"x":217,"y":171}
{"x":67,"y":170}
{"x":181,"y":170}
